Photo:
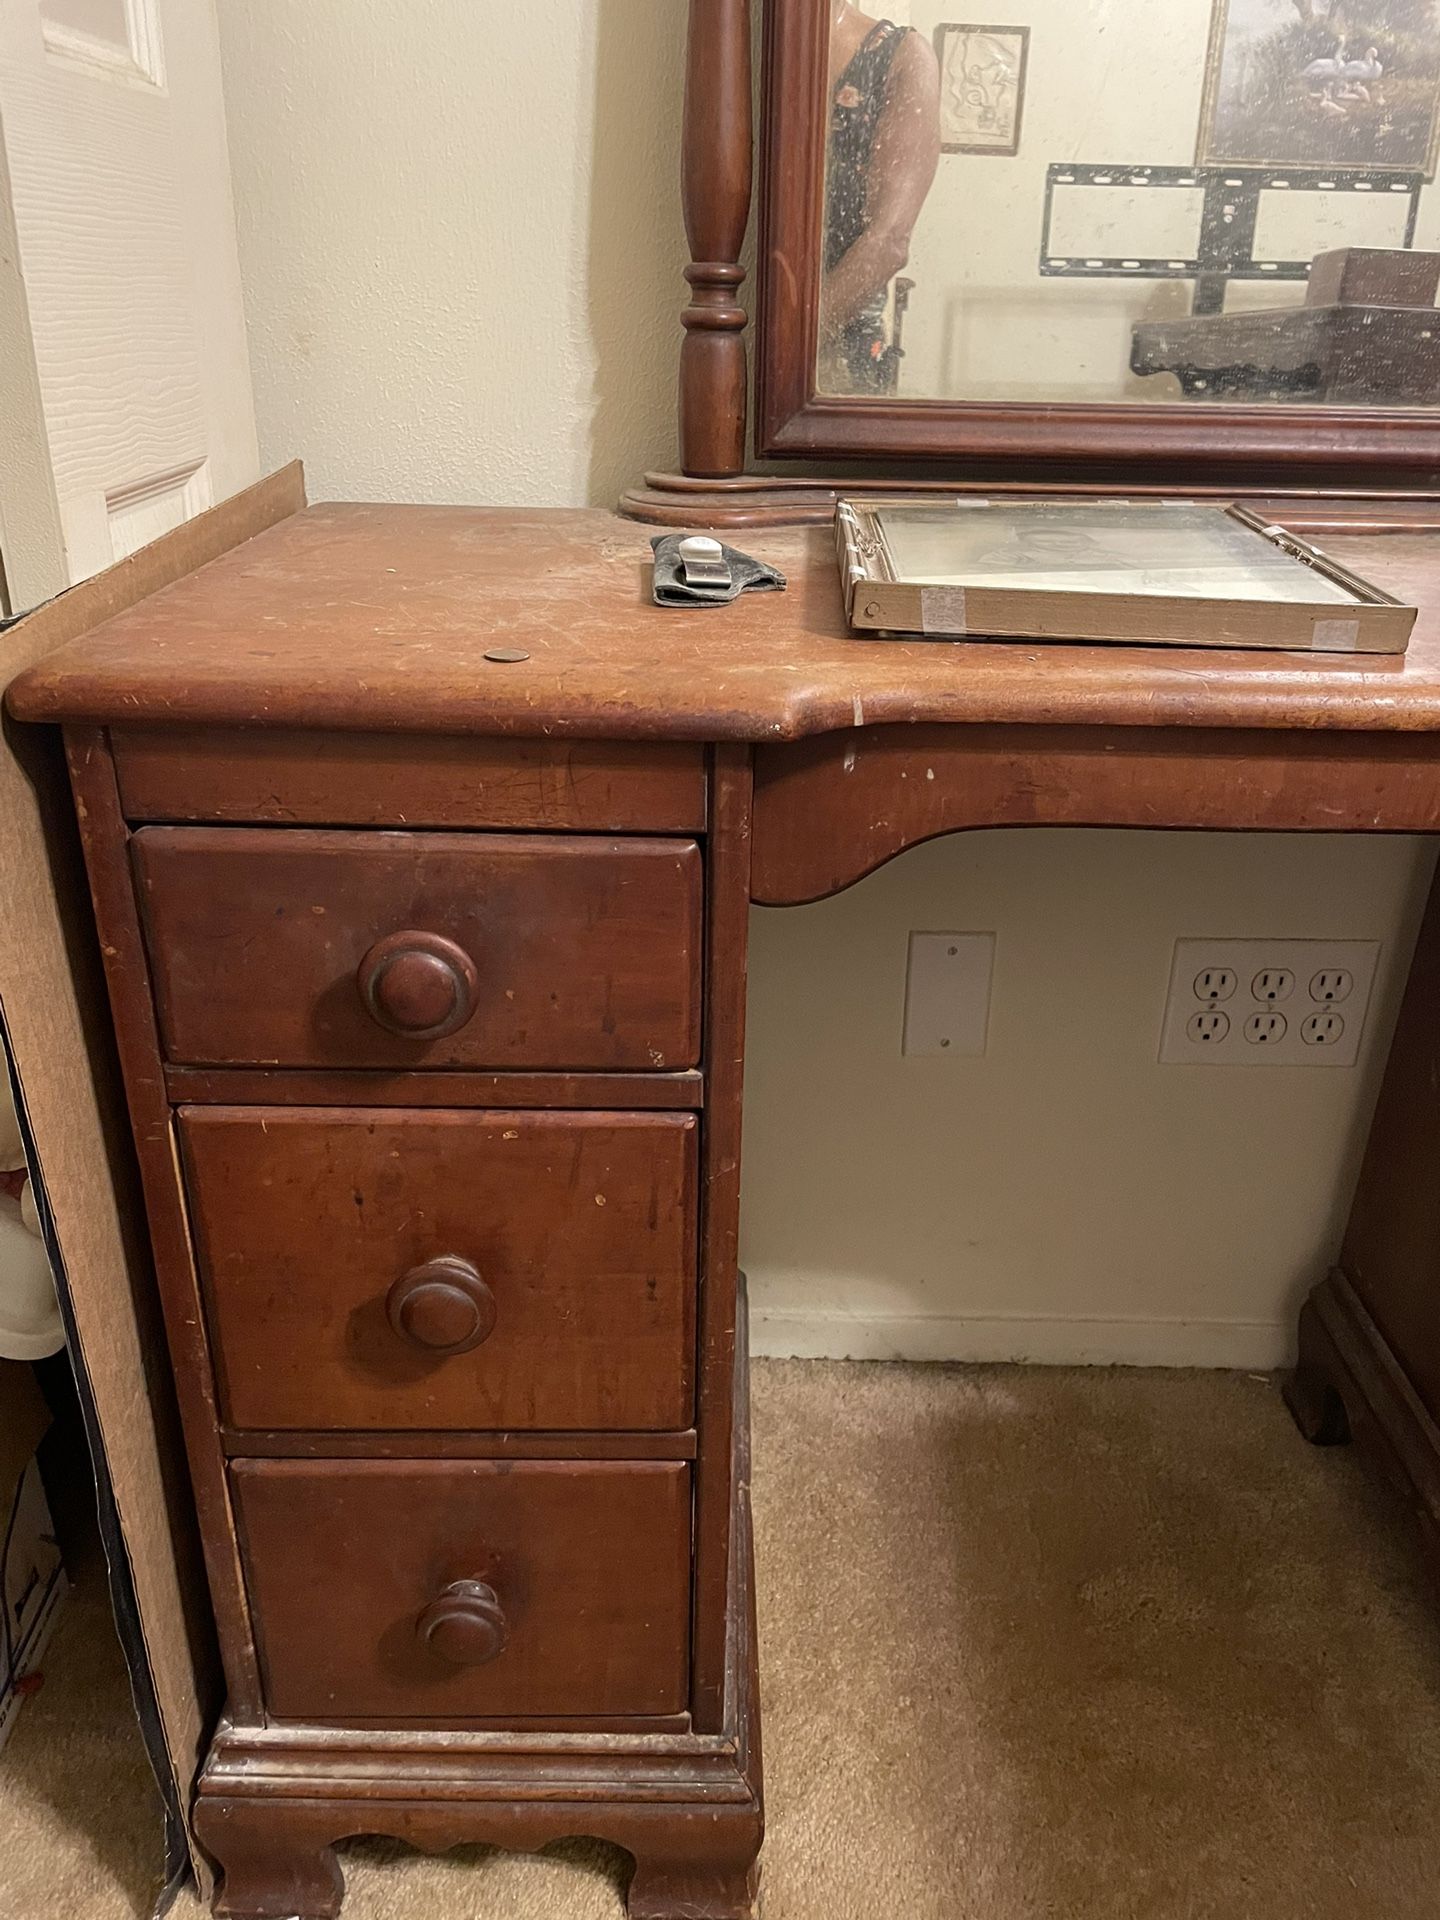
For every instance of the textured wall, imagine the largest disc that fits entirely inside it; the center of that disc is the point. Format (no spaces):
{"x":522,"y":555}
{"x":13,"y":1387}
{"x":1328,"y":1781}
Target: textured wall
{"x":461,"y":241}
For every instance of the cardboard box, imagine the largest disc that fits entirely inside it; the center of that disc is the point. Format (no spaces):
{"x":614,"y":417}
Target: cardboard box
{"x":55,"y":1034}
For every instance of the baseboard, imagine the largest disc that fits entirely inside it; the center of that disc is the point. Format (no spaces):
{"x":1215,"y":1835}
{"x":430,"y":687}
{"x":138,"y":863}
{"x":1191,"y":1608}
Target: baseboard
{"x":1041,"y":1339}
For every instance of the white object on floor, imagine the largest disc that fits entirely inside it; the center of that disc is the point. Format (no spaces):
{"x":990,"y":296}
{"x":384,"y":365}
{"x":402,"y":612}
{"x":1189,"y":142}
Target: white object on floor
{"x":30,"y":1324}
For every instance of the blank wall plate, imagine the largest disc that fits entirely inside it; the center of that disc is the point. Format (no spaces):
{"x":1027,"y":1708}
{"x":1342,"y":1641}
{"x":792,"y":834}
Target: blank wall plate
{"x":947,"y":993}
{"x":1268,"y":1003}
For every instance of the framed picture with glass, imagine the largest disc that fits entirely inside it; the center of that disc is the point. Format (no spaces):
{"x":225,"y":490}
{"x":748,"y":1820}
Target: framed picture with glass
{"x":1162,"y":572}
{"x":1322,"y":84}
{"x":982,"y":87}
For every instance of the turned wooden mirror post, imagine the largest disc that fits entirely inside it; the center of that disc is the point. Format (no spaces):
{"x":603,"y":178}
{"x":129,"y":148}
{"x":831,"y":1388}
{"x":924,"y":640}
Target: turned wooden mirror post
{"x":716,"y":172}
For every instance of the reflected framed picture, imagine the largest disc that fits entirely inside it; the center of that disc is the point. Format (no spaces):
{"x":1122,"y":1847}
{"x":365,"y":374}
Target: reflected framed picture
{"x":1322,"y":83}
{"x":982,"y":87}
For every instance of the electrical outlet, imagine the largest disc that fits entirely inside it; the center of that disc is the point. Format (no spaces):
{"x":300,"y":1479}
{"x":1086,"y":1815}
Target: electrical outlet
{"x":1214,"y":984}
{"x":1208,"y":1028}
{"x":1272,"y":1003}
{"x":947,"y":993}
{"x":1265,"y":1029}
{"x":1331,"y":985}
{"x":1272,"y":984}
{"x":1323,"y":1030}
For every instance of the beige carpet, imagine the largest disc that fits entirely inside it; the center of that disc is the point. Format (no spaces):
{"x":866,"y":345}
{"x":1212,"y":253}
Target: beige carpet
{"x":1102,"y":1646}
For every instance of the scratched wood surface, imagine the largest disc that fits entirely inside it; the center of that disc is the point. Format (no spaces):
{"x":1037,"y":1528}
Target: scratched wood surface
{"x":578,"y":1228}
{"x":588,"y":1563}
{"x":379,"y":618}
{"x":585,"y":949}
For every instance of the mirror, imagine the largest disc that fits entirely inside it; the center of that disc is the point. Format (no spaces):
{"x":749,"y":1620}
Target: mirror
{"x":1209,"y":202}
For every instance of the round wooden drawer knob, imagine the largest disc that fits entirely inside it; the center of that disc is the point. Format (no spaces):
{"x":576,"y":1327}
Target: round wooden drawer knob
{"x":443,"y":1306}
{"x":420,"y":985}
{"x":465,"y":1627}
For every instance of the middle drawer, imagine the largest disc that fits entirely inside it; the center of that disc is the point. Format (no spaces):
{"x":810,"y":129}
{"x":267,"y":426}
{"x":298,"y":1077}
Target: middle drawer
{"x":386,"y":1268}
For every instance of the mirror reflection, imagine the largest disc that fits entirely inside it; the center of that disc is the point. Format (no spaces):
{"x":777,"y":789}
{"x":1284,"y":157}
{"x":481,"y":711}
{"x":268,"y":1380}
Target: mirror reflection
{"x":1201,"y":201}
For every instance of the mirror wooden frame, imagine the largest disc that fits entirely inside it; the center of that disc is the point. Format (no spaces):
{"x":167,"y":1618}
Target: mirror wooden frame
{"x":1169,"y":445}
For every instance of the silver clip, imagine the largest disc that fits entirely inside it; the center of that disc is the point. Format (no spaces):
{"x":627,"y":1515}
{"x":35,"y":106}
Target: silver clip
{"x":703,"y":562}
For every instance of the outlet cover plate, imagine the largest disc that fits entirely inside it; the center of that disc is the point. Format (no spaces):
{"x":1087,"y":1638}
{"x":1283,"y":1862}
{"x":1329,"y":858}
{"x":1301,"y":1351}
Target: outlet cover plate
{"x":947,"y":994}
{"x":1281,"y":1003}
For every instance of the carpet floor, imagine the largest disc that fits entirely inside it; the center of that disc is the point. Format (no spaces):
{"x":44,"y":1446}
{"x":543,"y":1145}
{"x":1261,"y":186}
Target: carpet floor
{"x":1086,"y":1644}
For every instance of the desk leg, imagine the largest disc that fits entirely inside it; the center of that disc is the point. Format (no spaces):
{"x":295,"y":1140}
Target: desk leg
{"x":1313,"y":1392}
{"x":1369,"y":1360}
{"x":673,"y":1888}
{"x":272,"y":1868}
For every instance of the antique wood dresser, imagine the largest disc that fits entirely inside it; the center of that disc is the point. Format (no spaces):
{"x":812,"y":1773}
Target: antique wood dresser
{"x":422,"y":848}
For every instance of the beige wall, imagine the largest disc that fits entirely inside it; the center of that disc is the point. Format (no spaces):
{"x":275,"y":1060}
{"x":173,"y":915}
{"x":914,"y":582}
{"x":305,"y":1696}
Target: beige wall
{"x":1063,"y":1197}
{"x":461,"y":255}
{"x":461,"y":241}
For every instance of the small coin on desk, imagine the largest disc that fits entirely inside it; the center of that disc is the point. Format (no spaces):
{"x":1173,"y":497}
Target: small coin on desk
{"x":505,"y":656}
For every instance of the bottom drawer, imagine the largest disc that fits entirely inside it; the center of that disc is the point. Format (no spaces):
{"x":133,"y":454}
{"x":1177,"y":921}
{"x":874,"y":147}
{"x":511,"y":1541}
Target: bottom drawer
{"x":479,"y":1589}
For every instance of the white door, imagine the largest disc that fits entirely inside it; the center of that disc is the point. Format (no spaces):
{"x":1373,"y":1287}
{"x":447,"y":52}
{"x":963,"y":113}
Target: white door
{"x":113,"y":127}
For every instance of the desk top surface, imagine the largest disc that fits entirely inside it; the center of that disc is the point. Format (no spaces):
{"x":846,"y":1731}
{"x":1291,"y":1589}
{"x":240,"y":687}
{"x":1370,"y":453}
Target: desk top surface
{"x":379,"y":617}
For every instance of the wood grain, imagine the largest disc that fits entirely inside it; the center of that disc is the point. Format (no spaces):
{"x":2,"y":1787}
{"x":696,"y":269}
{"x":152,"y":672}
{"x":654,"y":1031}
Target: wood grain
{"x":1391,"y":1250}
{"x":274,"y":1798}
{"x":717,"y":143}
{"x":805,"y":499}
{"x":587,"y":949}
{"x":379,"y":780}
{"x":728,"y":934}
{"x":694,"y":1855}
{"x":102,"y":832}
{"x":286,"y":1443}
{"x":581,"y":1225}
{"x":830,"y":810}
{"x":590,"y":1563}
{"x":1350,"y":1382}
{"x":605,"y":663}
{"x":297,"y":1087}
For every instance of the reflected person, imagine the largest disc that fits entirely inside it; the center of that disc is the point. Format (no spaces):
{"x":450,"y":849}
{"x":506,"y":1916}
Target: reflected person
{"x":884,"y":148}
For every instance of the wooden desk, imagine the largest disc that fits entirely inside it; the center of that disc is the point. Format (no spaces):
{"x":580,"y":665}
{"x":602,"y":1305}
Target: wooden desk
{"x":428,"y":976}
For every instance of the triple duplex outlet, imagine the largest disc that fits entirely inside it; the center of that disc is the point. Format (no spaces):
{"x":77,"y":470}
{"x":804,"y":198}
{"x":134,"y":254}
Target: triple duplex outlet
{"x":1252,"y":1003}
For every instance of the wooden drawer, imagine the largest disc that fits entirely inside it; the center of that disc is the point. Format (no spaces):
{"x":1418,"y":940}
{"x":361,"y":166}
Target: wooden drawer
{"x":384,"y":1268}
{"x":291,"y":947}
{"x":258,"y":774}
{"x":435,"y":1589}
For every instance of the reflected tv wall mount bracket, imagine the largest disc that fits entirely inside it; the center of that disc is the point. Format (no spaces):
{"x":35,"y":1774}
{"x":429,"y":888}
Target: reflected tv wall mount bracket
{"x":1225,"y":243}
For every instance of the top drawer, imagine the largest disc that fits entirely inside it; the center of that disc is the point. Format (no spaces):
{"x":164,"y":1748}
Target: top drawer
{"x":274,"y":947}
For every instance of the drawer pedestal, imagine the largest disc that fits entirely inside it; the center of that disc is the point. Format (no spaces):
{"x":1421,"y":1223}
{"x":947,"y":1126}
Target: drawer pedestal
{"x":438,"y":1122}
